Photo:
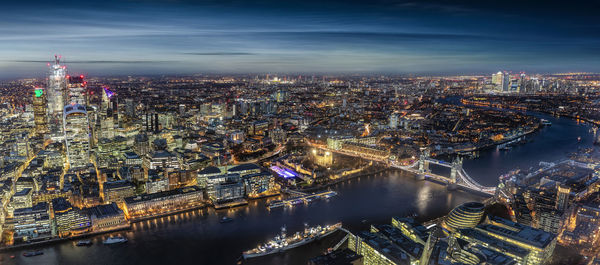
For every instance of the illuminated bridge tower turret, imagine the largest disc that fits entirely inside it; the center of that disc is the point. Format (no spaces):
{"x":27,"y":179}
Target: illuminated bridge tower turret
{"x":423,"y":163}
{"x":454,"y":171}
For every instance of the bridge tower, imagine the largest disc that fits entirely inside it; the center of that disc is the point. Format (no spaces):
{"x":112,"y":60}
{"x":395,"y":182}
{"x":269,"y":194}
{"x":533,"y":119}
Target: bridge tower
{"x":454,"y":171}
{"x":423,"y":163}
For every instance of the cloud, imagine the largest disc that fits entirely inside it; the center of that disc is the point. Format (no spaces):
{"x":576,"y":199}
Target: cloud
{"x":93,"y":61}
{"x":218,"y":53}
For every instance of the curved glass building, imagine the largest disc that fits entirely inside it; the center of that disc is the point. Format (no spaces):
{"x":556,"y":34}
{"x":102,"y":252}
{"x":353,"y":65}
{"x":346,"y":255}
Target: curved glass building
{"x":466,"y":215}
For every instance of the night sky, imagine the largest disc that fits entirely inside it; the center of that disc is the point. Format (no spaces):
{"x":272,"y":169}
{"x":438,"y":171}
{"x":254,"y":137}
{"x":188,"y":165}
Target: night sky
{"x":310,"y":36}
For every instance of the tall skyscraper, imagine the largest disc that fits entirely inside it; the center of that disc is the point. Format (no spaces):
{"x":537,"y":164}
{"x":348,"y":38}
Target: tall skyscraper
{"x":40,"y":114}
{"x":56,"y":96}
{"x":501,"y":81}
{"x":77,"y":141}
{"x":76,"y":90}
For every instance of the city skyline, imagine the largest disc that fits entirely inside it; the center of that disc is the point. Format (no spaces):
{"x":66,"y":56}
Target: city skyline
{"x":403,"y":37}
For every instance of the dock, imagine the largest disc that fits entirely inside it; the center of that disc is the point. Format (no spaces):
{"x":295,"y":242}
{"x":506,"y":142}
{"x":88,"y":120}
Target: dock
{"x":300,"y":198}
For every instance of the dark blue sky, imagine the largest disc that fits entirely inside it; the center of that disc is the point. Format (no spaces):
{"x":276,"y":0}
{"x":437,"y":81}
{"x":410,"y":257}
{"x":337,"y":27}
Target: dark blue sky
{"x":389,"y":36}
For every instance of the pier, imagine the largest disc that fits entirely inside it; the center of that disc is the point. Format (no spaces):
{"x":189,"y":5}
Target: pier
{"x":299,"y":197}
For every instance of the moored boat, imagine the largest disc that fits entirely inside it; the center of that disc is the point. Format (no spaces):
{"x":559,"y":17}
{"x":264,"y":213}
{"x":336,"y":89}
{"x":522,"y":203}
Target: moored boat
{"x":281,"y":242}
{"x":33,"y":253}
{"x":114,"y":240}
{"x":84,"y":243}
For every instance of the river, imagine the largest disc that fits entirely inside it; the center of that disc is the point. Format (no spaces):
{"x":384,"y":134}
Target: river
{"x":198,"y":238}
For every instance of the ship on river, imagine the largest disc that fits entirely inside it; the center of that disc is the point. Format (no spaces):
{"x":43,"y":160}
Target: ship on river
{"x":281,"y":242}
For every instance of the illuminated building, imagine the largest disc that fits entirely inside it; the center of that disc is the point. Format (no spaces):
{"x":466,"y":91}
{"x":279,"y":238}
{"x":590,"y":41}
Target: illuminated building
{"x":156,"y":183}
{"x":411,"y":229}
{"x":40,"y":111}
{"x":77,"y":140}
{"x":206,"y":173}
{"x":501,"y":81}
{"x":322,"y":158}
{"x":32,"y":223}
{"x":107,"y":217}
{"x":117,"y":191}
{"x":562,"y":198}
{"x":69,"y":220}
{"x":467,"y":215}
{"x":165,"y":202}
{"x":56,"y":96}
{"x":526,"y":245}
{"x":22,"y":199}
{"x":258,"y":184}
{"x":76,"y":90}
{"x":393,"y":121}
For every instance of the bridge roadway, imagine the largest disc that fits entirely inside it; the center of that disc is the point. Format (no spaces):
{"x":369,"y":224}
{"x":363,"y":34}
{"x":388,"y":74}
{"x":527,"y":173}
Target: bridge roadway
{"x":300,"y":197}
{"x":465,"y":183}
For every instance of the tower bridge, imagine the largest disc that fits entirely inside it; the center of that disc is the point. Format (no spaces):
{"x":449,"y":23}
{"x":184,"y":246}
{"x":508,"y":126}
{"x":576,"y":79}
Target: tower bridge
{"x":458,"y":178}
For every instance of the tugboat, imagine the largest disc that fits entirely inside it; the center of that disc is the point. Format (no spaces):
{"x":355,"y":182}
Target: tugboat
{"x":33,"y":253}
{"x":225,"y":219}
{"x":84,"y":243}
{"x":114,"y":240}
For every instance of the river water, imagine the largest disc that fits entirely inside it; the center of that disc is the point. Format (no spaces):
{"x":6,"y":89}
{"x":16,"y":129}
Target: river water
{"x":198,"y":238}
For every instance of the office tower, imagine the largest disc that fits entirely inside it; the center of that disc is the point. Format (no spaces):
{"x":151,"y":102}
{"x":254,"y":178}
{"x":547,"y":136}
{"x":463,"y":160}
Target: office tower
{"x":56,"y":94}
{"x":394,"y":121}
{"x":562,"y":198}
{"x":40,"y":114}
{"x":501,"y":81}
{"x":76,"y":90}
{"x":76,"y":135}
{"x":129,"y":108}
{"x":107,"y":125}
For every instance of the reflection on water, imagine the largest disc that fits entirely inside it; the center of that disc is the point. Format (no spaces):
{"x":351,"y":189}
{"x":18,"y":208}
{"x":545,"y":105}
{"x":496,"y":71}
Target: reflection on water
{"x":197,"y":237}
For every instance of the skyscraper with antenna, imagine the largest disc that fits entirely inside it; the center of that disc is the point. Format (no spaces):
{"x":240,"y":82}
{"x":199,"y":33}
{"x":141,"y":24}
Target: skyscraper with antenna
{"x":56,"y":96}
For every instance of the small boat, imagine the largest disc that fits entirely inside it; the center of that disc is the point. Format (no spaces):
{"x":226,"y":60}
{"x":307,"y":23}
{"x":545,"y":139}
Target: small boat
{"x":114,"y":240}
{"x":33,"y":253}
{"x":578,"y":138}
{"x":225,"y":219}
{"x":545,"y":122}
{"x":84,"y":243}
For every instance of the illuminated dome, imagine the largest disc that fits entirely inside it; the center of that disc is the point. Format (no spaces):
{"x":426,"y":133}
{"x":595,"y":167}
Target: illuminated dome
{"x":467,"y":215}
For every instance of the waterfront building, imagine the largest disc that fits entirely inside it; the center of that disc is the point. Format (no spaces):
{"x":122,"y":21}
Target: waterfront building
{"x":165,"y":202}
{"x":32,"y":223}
{"x":69,"y":220}
{"x":258,"y":184}
{"x":107,"y":217}
{"x":77,"y":141}
{"x":467,"y":215}
{"x":524,"y":244}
